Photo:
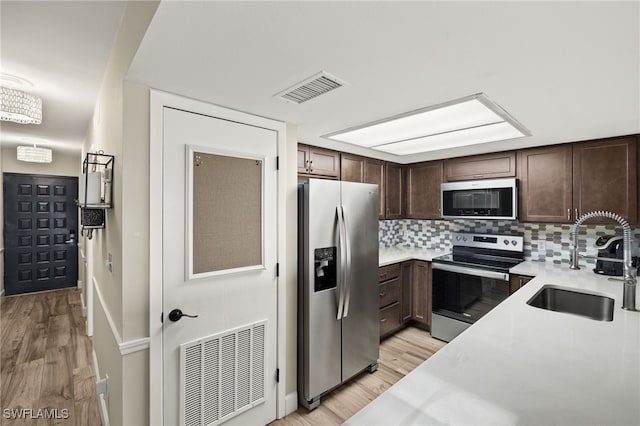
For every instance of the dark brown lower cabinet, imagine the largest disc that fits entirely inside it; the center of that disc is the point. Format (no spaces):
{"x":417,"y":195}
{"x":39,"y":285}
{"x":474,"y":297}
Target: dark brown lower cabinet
{"x":421,"y":293}
{"x":389,"y":290}
{"x":405,"y":296}
{"x":517,"y":281}
{"x":406,"y":278}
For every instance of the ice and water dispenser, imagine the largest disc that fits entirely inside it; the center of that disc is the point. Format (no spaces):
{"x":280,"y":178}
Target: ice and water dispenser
{"x":325,"y":268}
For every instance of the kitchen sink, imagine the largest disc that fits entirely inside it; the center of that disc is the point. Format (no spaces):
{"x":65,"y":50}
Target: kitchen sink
{"x":558,"y":299}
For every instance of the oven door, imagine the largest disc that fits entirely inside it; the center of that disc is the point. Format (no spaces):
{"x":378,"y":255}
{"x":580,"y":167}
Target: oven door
{"x":462,"y":295}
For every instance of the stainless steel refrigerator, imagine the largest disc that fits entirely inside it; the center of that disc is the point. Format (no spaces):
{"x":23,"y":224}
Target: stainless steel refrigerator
{"x":338,"y":328}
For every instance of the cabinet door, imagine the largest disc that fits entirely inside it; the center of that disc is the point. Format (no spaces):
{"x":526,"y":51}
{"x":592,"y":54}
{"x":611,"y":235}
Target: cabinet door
{"x":303,"y":159}
{"x":422,"y":293}
{"x":485,"y":166}
{"x":406,"y":293}
{"x":352,"y":168}
{"x":423,"y":190}
{"x":605,"y":177}
{"x":394,"y":191}
{"x":374,"y":173}
{"x":545,"y":185}
{"x":324,"y":162}
{"x":517,"y":281}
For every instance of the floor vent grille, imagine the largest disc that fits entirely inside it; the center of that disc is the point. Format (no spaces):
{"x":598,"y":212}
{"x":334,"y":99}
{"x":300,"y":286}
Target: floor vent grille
{"x":312,"y":87}
{"x":222,"y":375}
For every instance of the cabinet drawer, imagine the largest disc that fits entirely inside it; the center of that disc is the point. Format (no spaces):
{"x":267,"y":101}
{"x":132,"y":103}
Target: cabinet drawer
{"x":389,"y":292}
{"x":389,"y":272}
{"x":389,"y":318}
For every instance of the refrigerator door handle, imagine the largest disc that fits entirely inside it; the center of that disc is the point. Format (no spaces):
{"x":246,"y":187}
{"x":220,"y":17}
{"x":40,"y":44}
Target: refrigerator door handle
{"x":342,"y":265}
{"x":347,"y":269}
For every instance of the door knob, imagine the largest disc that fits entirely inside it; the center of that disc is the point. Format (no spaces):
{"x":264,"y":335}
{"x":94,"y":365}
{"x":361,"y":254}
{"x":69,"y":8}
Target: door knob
{"x":176,"y":314}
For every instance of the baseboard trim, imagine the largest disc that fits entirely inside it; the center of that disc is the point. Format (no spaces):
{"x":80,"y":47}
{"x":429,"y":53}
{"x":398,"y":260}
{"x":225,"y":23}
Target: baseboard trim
{"x":125,"y":347}
{"x":290,"y":403}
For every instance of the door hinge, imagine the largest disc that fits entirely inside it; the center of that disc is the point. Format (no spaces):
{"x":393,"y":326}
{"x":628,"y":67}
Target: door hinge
{"x":278,"y":269}
{"x":278,"y":162}
{"x":277,"y":375}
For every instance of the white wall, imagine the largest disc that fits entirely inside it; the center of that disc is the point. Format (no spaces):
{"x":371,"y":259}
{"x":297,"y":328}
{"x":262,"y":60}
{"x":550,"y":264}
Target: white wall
{"x":117,"y":125}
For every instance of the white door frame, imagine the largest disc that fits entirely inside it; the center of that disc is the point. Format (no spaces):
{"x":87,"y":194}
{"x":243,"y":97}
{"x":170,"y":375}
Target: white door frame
{"x":157,"y":101}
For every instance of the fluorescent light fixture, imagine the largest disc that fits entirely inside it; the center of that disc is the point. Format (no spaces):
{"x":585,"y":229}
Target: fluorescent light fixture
{"x":34,"y":154}
{"x":466,"y":121}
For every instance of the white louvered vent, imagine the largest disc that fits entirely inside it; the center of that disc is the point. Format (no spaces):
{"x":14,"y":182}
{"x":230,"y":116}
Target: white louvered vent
{"x":311,"y":87}
{"x":222,"y":375}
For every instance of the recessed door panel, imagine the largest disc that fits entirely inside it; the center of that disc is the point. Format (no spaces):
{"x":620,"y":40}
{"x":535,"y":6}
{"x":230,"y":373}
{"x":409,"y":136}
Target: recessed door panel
{"x":35,"y":258}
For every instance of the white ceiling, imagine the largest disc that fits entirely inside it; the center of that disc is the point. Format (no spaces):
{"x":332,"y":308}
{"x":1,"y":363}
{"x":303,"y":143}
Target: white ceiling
{"x":567,"y":70}
{"x":62,"y":47}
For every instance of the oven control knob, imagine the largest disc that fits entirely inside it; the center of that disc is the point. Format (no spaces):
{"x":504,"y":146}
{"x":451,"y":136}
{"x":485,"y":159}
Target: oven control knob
{"x":506,"y":242}
{"x":514,"y":242}
{"x":458,"y":237}
{"x":464,"y":239}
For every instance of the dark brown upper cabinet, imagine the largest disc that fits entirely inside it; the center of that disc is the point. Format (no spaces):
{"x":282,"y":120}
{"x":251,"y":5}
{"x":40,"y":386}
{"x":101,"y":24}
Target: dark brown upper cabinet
{"x":351,"y":167}
{"x":605,"y":177}
{"x":484,"y":166}
{"x":545,"y":184}
{"x":423,"y":190}
{"x":314,"y":161}
{"x":394,"y":194}
{"x":374,"y":173}
{"x":354,"y":168}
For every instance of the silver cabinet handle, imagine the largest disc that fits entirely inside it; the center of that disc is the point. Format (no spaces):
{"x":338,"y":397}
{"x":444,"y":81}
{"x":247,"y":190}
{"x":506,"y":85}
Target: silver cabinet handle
{"x":470,"y":271}
{"x":568,"y":214}
{"x":577,"y":215}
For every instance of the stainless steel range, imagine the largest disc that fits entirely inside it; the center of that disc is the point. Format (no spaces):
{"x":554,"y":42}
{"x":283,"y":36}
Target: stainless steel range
{"x":472,"y":280}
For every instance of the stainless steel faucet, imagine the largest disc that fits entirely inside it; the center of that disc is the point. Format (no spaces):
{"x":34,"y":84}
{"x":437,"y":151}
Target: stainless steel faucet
{"x":629,"y":272}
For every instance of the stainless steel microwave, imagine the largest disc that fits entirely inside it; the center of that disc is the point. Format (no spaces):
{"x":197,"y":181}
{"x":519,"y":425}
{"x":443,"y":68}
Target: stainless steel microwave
{"x":480,"y":199}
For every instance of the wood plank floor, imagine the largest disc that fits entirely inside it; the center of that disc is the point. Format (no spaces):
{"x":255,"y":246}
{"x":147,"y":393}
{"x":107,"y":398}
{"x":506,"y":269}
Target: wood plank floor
{"x":45,"y":360}
{"x":399,"y":354}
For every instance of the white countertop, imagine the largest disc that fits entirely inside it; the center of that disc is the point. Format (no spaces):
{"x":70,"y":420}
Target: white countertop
{"x":389,"y":256}
{"x":524,"y":365}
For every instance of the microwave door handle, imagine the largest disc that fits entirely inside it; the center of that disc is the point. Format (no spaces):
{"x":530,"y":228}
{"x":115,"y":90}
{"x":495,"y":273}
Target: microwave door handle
{"x":347,"y":270}
{"x":471,"y":271}
{"x":342,"y":266}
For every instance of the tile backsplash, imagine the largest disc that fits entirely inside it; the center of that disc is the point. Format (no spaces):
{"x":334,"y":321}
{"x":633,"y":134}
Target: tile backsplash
{"x":542,"y":241}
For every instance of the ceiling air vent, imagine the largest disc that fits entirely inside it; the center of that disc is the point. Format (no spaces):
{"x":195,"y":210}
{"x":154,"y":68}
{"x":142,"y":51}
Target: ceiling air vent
{"x":311,"y":87}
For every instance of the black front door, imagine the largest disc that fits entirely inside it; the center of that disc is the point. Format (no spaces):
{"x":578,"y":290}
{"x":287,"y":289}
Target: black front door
{"x":40,"y":224}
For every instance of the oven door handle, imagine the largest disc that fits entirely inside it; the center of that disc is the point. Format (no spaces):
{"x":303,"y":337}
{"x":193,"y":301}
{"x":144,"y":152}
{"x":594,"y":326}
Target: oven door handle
{"x":471,"y":271}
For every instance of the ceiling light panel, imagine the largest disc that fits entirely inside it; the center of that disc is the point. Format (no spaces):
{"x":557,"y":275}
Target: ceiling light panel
{"x":437,"y":127}
{"x":471,"y":136}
